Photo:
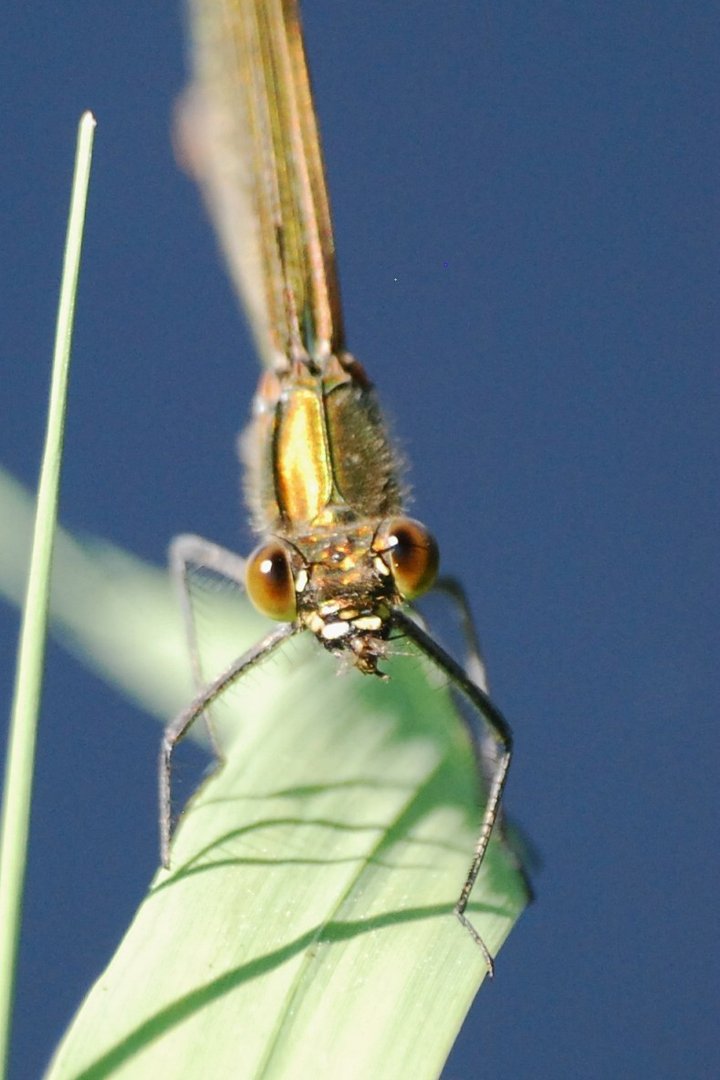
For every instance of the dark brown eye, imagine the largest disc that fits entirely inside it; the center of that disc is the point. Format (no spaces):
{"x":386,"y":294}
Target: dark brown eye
{"x":412,"y":553}
{"x":269,"y":581}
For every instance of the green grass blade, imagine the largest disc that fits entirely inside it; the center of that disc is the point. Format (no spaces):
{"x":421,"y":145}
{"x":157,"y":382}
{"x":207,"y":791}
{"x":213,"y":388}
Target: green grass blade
{"x":307,"y":918}
{"x":23,"y":726}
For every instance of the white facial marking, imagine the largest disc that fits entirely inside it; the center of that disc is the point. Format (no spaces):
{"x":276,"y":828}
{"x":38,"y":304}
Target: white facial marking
{"x":301,"y":581}
{"x":335,"y":630}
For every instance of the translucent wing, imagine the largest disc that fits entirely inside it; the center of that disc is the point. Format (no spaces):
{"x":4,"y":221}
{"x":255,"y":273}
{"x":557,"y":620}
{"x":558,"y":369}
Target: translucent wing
{"x":248,"y":133}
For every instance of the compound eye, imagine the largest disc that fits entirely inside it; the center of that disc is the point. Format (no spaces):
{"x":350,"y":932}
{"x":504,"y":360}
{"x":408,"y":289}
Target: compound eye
{"x":270,"y":583}
{"x":413,"y":556}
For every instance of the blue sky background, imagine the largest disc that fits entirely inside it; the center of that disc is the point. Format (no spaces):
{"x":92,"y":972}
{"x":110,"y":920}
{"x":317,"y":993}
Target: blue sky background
{"x":526,"y":207}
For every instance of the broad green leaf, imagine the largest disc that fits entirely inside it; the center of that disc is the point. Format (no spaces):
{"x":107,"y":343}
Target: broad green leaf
{"x":305,"y":927}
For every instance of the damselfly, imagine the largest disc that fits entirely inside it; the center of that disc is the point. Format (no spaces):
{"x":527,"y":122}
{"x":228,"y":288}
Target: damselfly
{"x":338,"y":556}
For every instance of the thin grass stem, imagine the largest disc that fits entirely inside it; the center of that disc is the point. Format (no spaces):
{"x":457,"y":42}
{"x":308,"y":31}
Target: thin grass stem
{"x":17,"y":790}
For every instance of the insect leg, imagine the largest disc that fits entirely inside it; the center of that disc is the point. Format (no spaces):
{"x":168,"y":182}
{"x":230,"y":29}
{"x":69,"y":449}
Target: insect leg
{"x":501,"y":734}
{"x":179,"y":726}
{"x":485,"y":748}
{"x":474,"y":659}
{"x":190,"y":550}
